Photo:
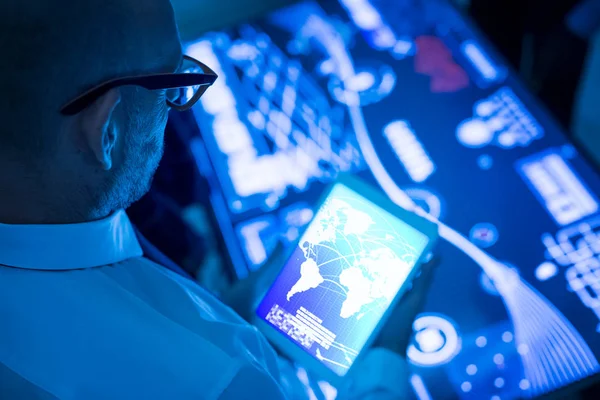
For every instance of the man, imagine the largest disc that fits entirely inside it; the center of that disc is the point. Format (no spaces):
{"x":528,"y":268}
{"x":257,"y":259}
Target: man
{"x":83,"y":314}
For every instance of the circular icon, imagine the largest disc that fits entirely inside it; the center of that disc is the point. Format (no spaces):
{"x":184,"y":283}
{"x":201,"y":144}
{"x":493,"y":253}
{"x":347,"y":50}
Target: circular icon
{"x":484,"y":235}
{"x":474,"y":133}
{"x":368,"y":85}
{"x":436,"y":341}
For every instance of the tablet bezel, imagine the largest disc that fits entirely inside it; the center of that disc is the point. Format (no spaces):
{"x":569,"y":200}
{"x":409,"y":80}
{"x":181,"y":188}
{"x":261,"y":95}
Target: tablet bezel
{"x":293,"y":350}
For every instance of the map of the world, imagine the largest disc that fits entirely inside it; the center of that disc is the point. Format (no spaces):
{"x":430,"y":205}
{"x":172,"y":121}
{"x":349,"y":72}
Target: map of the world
{"x":343,"y":275}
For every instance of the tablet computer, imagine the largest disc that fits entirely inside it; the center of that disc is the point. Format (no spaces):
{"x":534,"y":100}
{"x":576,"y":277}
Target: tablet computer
{"x":351,"y":265}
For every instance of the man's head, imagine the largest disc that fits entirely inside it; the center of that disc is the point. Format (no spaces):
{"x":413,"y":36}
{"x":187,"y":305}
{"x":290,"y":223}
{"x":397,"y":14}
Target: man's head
{"x":74,"y":168}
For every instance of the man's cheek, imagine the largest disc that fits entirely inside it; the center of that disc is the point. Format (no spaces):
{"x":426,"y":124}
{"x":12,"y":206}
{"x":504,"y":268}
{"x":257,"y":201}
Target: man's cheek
{"x":158,"y":120}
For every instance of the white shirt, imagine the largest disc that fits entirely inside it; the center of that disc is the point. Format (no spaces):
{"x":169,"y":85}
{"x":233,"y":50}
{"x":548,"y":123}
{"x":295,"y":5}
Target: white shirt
{"x":84,"y":316}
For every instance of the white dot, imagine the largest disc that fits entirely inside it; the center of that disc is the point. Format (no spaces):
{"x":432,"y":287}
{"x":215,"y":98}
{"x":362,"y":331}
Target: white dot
{"x":495,"y":124}
{"x":257,"y":119}
{"x":270,"y":81}
{"x":360,"y":82}
{"x":481,"y":341}
{"x":466,"y":387}
{"x":499,"y":359}
{"x":495,"y":398}
{"x":430,"y":340}
{"x":474,"y":133}
{"x":524,"y":384}
{"x":522,"y":349}
{"x":507,"y":337}
{"x":506,"y":139}
{"x":327,"y":67}
{"x":545,"y":271}
{"x":499,"y":383}
{"x":484,"y":108}
{"x":367,"y":19}
{"x":471,"y":369}
{"x":403,"y":47}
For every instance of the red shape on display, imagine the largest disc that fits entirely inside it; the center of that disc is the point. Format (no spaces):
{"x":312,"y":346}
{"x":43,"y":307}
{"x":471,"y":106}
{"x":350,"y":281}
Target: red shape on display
{"x":435,"y":60}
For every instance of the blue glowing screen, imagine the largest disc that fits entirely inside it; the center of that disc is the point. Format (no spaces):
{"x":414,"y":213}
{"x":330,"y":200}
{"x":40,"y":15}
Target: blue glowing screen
{"x":341,"y":278}
{"x":406,"y":95}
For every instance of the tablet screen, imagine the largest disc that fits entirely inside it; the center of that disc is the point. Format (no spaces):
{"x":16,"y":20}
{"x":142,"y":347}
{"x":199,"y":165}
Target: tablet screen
{"x":342,"y":277}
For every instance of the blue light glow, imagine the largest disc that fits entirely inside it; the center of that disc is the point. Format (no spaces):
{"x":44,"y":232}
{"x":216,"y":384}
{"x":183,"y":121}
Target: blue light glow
{"x":474,"y":133}
{"x":484,"y":235}
{"x":517,"y":295}
{"x":337,"y":283}
{"x":254,"y":234}
{"x":436,"y":341}
{"x":558,"y":188}
{"x":289,"y":112}
{"x":329,"y":391}
{"x":426,"y":199}
{"x":524,"y":384}
{"x":498,"y":359}
{"x":545,"y":271}
{"x":370,"y":84}
{"x":466,"y":387}
{"x":482,"y":62}
{"x":403,"y":48}
{"x":409,"y":150}
{"x":481,"y":341}
{"x":253,"y":172}
{"x":499,"y":383}
{"x":485,"y":162}
{"x":419,"y":387}
{"x":471,"y":369}
{"x":578,"y":248}
{"x":500,"y":119}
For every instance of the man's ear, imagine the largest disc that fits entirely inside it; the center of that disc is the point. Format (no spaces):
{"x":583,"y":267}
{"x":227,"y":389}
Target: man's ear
{"x":97,"y":134}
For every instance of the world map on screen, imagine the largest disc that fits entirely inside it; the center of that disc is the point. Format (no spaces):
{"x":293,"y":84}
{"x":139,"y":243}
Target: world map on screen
{"x":342,"y":277}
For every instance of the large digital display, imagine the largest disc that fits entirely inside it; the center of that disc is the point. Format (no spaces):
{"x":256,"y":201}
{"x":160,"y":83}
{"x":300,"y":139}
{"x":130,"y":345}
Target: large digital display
{"x":341,"y":278}
{"x":405,"y":94}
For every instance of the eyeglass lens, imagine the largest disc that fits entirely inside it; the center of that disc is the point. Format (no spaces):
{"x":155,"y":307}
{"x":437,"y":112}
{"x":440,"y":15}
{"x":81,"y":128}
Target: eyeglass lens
{"x":182,"y":96}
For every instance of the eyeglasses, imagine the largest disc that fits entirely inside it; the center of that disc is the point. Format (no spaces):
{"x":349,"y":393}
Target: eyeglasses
{"x":184,"y":88}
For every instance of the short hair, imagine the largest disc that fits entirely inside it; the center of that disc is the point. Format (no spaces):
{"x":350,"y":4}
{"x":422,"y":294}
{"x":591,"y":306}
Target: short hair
{"x":52,"y":50}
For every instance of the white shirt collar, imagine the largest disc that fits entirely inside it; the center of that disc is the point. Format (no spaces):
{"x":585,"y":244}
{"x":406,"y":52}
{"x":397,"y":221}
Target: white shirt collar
{"x":71,"y":246}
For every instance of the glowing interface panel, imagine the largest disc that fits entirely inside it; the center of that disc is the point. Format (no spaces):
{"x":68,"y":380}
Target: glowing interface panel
{"x":406,"y":95}
{"x":558,"y":187}
{"x":342,"y":277}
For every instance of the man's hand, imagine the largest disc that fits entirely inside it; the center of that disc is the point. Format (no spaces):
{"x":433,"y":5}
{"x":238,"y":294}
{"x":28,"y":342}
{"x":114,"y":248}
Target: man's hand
{"x":395,"y":335}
